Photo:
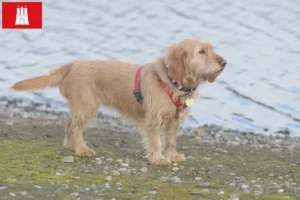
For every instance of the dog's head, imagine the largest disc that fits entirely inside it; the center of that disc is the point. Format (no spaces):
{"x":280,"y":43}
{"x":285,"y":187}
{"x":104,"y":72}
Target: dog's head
{"x":193,"y":61}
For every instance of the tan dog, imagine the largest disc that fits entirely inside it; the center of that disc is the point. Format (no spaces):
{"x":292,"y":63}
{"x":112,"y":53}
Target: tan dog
{"x":87,"y":84}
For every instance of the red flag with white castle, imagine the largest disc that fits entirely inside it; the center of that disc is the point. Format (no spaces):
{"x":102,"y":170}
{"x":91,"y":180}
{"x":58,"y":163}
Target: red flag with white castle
{"x":21,"y":15}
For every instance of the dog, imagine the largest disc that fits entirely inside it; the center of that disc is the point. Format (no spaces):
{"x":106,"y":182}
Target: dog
{"x":155,"y":95}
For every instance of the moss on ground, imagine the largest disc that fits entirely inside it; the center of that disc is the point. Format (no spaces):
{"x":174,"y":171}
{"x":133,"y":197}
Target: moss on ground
{"x":31,"y":161}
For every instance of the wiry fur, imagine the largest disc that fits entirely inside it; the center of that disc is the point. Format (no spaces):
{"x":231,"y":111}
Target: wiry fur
{"x":87,"y":84}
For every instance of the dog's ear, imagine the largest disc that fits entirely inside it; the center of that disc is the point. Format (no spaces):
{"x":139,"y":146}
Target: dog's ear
{"x":175,"y":60}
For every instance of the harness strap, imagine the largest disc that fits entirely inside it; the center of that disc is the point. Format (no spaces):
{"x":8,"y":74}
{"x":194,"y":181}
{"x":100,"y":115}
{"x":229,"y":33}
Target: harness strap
{"x":137,"y":86}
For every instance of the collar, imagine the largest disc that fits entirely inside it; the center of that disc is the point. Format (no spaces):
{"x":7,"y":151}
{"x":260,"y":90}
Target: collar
{"x":179,"y":87}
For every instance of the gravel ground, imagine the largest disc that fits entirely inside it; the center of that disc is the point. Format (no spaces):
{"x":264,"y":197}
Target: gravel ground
{"x":221,"y":164}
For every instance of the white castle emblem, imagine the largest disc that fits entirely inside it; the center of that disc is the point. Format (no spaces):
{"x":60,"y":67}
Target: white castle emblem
{"x":22,"y":16}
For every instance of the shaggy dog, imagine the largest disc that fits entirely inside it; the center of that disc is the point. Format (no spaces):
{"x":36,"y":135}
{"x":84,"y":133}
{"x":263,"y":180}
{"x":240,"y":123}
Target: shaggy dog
{"x":158,"y":103}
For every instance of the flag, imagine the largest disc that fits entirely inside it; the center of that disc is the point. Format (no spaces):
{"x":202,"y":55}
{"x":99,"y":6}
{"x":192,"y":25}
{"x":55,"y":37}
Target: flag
{"x":21,"y":15}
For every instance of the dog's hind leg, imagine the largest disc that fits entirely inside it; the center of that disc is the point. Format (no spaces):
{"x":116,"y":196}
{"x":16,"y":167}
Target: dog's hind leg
{"x":81,"y":112}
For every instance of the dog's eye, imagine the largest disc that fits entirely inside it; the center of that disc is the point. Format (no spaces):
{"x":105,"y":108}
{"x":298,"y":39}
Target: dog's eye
{"x":202,"y":51}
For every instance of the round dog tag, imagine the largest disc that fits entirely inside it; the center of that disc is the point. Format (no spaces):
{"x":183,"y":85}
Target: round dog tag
{"x":189,"y":102}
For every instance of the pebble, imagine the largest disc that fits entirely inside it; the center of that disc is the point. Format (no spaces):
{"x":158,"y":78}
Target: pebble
{"x":58,"y":174}
{"x":280,"y":191}
{"x":127,"y":161}
{"x":144,"y":169}
{"x":152,"y":192}
{"x":271,"y":175}
{"x":175,"y":180}
{"x":108,"y":178}
{"x":99,"y":162}
{"x":120,"y":161}
{"x":122,"y":169}
{"x":97,"y":159}
{"x":204,"y":191}
{"x":68,"y":159}
{"x":107,"y":185}
{"x":184,"y":148}
{"x":75,"y":194}
{"x":12,"y":194}
{"x":76,"y":177}
{"x":118,"y":185}
{"x":2,"y":187}
{"x":195,"y":193}
{"x":232,"y":174}
{"x":37,"y":186}
{"x":24,"y":193}
{"x":258,"y":192}
{"x":253,"y":181}
{"x":220,"y":166}
{"x":198,"y":179}
{"x":87,"y":189}
{"x":232,"y":184}
{"x":244,"y":186}
{"x":203,"y":185}
{"x":116,"y":173}
{"x":163,"y":178}
{"x":109,"y":160}
{"x":124,"y":165}
{"x":234,"y":197}
{"x":175,"y":169}
{"x":221,"y":192}
{"x":106,"y":168}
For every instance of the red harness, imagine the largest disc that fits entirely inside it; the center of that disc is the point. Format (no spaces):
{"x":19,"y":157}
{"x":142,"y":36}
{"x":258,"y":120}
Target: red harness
{"x":138,"y":94}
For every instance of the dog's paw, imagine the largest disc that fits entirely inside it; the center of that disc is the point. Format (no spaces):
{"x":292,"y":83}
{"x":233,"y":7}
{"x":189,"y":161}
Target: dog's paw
{"x":176,"y":157}
{"x":87,"y":152}
{"x":159,"y":159}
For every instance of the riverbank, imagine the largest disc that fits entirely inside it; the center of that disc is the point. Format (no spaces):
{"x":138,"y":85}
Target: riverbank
{"x":31,"y":164}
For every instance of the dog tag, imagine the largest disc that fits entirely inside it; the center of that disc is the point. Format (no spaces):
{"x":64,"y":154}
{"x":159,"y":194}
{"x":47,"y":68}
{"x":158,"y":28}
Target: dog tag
{"x":189,"y":102}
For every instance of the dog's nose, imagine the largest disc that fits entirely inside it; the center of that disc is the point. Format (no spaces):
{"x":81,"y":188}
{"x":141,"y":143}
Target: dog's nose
{"x":223,"y":63}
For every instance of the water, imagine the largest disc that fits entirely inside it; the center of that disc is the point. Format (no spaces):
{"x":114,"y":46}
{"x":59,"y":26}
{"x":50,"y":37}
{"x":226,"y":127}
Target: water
{"x":260,"y":88}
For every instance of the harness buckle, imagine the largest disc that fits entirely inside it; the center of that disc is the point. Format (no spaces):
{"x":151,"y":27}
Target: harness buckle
{"x":138,"y":95}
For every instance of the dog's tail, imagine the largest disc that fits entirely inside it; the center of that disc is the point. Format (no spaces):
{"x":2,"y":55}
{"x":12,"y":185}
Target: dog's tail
{"x":52,"y":79}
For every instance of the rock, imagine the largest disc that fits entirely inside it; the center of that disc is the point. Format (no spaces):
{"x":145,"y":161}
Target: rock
{"x":244,"y":186}
{"x":258,"y":192}
{"x":175,"y":180}
{"x":93,"y":186}
{"x":116,"y":173}
{"x":2,"y":187}
{"x":127,"y":161}
{"x":152,"y":192}
{"x":108,"y":178}
{"x":253,"y":181}
{"x":184,"y":148}
{"x":65,"y":186}
{"x":99,"y":162}
{"x":87,"y":189}
{"x":75,"y":194}
{"x":106,"y":168}
{"x":76,"y":177}
{"x":232,"y":184}
{"x":280,"y":191}
{"x":97,"y":159}
{"x":109,"y":160}
{"x":58,"y":174}
{"x":221,"y":192}
{"x":234,"y":197}
{"x":24,"y":193}
{"x":118,"y":185}
{"x":120,"y":161}
{"x":232,"y":174}
{"x":122,"y":169}
{"x":163,"y":178}
{"x":220,"y":166}
{"x":68,"y":159}
{"x":12,"y":194}
{"x":37,"y":186}
{"x":204,"y":191}
{"x":144,"y":169}
{"x":124,"y":165}
{"x":198,"y":179}
{"x":271,"y":175}
{"x":106,"y":185}
{"x":195,"y":193}
{"x":203,"y":185}
{"x":175,"y":169}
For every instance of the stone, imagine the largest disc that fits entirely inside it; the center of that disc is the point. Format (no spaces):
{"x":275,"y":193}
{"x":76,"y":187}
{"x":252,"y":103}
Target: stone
{"x":258,"y":192}
{"x":203,"y":185}
{"x":195,"y":193}
{"x":106,"y":185}
{"x":122,"y":169}
{"x":280,"y":191}
{"x":24,"y":193}
{"x":198,"y":179}
{"x":75,"y":194}
{"x":184,"y":148}
{"x":175,"y":169}
{"x":2,"y":187}
{"x":220,"y":166}
{"x":163,"y":178}
{"x":68,"y":159}
{"x":12,"y":194}
{"x":125,"y":165}
{"x":152,"y":192}
{"x":144,"y":169}
{"x":175,"y":180}
{"x":116,"y":173}
{"x":108,"y":178}
{"x":244,"y":186}
{"x":118,"y":185}
{"x":37,"y":186}
{"x":221,"y":192}
{"x":109,"y":160}
{"x":120,"y":161}
{"x":234,"y":197}
{"x":97,"y":159}
{"x":106,"y":168}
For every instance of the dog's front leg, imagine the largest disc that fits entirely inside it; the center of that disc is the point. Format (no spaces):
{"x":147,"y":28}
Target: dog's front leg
{"x":171,"y":140}
{"x":152,"y":141}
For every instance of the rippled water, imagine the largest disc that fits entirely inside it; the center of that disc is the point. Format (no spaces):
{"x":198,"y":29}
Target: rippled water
{"x":259,"y":89}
